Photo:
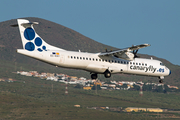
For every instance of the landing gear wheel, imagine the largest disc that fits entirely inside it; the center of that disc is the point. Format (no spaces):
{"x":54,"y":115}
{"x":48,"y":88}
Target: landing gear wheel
{"x":93,"y":76}
{"x":160,"y":81}
{"x":107,"y":74}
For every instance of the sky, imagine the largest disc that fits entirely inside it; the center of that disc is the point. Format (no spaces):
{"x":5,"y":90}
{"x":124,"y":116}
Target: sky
{"x":118,"y":23}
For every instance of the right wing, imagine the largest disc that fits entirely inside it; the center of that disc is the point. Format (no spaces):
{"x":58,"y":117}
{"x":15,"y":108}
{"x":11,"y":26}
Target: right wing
{"x":120,"y":52}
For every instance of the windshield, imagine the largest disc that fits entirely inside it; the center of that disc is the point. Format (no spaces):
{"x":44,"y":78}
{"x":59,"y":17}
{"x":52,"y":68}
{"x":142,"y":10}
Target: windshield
{"x":161,"y":64}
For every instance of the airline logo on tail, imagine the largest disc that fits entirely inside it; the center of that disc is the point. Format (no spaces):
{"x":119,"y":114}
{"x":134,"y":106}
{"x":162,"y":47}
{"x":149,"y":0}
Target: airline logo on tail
{"x":33,"y":41}
{"x":30,"y":39}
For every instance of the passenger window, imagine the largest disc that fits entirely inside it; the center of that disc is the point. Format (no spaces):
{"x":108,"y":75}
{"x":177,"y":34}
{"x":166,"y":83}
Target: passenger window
{"x":96,"y":59}
{"x":99,"y":59}
{"x":133,"y":63}
{"x":145,"y":64}
{"x":83,"y":58}
{"x":74,"y":57}
{"x":71,"y":57}
{"x":106,"y":60}
{"x":115,"y":61}
{"x":139,"y":63}
{"x":93,"y":59}
{"x":136,"y":63}
{"x":142,"y":64}
{"x":89,"y":58}
{"x":124,"y":62}
{"x":80,"y":57}
{"x":77,"y":57}
{"x":86,"y":58}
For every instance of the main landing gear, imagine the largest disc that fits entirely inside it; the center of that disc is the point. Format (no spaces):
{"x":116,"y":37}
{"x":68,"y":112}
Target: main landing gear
{"x":107,"y":74}
{"x":94,"y":76}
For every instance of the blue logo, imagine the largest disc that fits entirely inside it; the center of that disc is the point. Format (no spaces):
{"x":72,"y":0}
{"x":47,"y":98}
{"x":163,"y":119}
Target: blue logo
{"x":30,"y":34}
{"x":29,"y":46}
{"x":38,"y":41}
{"x":161,"y":70}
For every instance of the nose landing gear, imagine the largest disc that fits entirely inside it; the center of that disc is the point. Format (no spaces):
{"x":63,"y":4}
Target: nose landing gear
{"x":94,"y":76}
{"x":160,"y":81}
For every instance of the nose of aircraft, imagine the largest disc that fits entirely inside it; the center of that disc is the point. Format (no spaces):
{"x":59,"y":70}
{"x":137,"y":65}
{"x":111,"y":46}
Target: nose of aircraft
{"x":169,"y":71}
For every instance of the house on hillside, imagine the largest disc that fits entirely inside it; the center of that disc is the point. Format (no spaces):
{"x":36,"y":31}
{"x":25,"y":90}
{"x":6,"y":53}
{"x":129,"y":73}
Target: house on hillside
{"x":72,"y":82}
{"x":175,"y":87}
{"x":87,"y":88}
{"x":2,"y":80}
{"x":135,"y":109}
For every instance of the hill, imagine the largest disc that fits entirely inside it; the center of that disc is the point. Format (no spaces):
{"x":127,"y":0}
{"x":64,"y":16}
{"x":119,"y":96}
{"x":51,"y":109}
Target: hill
{"x":65,"y":38}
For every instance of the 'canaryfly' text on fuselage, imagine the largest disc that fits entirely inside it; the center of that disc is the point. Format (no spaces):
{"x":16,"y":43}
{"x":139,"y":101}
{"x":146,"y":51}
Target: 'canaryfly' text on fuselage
{"x":143,"y":68}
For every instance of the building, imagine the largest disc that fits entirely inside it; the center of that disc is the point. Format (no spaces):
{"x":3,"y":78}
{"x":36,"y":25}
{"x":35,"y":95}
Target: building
{"x":98,"y":83}
{"x":87,"y":88}
{"x":2,"y":80}
{"x":134,"y":109}
{"x":77,"y":105}
{"x":154,"y":110}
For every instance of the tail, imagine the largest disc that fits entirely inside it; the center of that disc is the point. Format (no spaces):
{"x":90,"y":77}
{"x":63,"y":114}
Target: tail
{"x":31,"y":41}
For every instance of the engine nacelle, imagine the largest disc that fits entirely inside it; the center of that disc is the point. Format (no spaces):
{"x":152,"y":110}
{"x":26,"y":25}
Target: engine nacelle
{"x":127,"y":56}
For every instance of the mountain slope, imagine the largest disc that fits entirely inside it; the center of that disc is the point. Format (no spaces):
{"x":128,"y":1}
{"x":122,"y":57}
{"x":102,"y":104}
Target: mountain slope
{"x":64,"y":38}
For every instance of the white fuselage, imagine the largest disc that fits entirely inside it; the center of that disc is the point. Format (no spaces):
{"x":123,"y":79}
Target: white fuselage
{"x":107,"y":63}
{"x":93,"y":63}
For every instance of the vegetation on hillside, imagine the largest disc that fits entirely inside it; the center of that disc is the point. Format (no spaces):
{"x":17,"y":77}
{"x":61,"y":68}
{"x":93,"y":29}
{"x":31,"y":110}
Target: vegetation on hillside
{"x":34,"y":98}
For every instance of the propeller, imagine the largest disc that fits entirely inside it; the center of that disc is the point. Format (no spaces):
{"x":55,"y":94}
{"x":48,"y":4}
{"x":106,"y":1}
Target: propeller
{"x":107,"y":50}
{"x":135,"y":53}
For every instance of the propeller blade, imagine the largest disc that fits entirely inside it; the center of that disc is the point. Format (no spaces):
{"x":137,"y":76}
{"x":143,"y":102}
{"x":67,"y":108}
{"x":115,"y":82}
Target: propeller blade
{"x":135,"y":53}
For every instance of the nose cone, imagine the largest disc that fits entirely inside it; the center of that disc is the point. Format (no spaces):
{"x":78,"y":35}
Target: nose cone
{"x":169,"y":72}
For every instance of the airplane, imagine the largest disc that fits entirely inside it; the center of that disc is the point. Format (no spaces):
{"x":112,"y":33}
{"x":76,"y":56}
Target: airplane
{"x":123,"y":61}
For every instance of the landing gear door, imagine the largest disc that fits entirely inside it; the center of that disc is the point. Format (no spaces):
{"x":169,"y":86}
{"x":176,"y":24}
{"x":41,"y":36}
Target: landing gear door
{"x":62,"y":58}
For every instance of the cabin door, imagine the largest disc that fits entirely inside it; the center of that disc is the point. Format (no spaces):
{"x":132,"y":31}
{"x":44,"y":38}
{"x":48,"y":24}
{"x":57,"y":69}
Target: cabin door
{"x":62,"y":58}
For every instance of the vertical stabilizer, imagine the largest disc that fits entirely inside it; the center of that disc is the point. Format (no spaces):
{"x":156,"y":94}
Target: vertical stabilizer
{"x":31,"y":41}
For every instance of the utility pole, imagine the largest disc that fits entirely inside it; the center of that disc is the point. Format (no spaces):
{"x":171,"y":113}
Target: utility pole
{"x":15,"y":66}
{"x":52,"y":88}
{"x":141,"y":92}
{"x":66,"y":89}
{"x":96,"y":88}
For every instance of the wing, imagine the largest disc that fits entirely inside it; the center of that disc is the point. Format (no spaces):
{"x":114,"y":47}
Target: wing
{"x":122,"y":51}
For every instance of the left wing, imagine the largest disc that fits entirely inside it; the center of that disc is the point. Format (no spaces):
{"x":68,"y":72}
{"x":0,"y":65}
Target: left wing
{"x":119,"y":53}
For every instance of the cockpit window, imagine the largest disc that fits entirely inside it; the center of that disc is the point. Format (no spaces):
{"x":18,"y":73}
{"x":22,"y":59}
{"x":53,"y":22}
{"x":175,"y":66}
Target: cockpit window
{"x":161,"y":64}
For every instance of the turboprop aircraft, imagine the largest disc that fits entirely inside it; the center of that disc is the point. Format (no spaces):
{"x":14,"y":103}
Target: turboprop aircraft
{"x":107,"y":63}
